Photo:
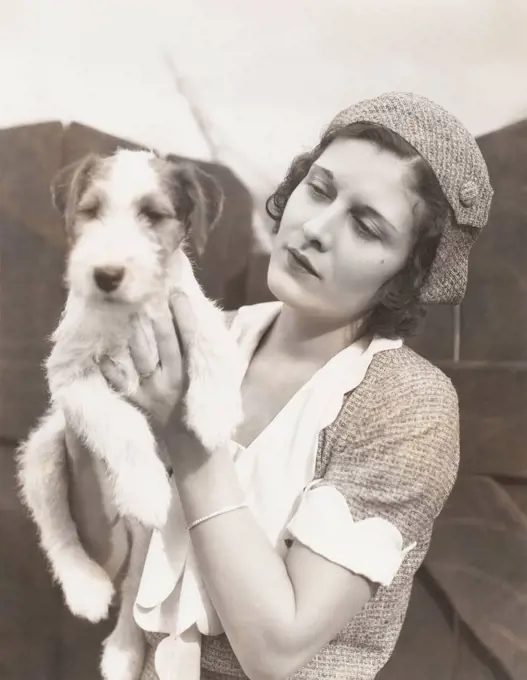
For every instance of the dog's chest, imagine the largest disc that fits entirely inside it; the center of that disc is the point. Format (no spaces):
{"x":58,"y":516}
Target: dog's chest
{"x":85,"y":336}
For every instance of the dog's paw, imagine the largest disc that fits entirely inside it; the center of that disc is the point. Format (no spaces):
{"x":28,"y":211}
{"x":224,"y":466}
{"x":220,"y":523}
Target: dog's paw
{"x":123,"y":655}
{"x":213,"y":417}
{"x":88,"y":591}
{"x":144,"y":493}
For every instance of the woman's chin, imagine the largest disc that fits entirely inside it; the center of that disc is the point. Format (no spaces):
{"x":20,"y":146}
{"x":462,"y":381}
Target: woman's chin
{"x":289,"y":290}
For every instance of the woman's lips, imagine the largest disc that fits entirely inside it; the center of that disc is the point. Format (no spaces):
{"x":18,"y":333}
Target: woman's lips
{"x":300,"y":261}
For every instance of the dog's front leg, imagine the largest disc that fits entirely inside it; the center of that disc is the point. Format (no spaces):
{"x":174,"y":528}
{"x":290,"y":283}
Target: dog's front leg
{"x":213,"y":407}
{"x":119,"y":435}
{"x":124,"y":649}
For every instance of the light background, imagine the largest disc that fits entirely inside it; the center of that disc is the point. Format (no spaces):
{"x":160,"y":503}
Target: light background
{"x":265,"y":75}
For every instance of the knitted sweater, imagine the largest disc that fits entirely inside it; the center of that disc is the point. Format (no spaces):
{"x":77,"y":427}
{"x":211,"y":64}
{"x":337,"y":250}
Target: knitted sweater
{"x":393,"y":452}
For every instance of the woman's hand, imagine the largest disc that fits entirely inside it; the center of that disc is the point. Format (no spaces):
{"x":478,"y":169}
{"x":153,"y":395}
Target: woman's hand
{"x":160,"y":370}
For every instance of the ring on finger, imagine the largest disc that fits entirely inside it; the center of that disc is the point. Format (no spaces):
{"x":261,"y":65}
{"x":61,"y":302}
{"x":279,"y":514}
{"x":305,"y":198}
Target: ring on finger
{"x":145,"y":376}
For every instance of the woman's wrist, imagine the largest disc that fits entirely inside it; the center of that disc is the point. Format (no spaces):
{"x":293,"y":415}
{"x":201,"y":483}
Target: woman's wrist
{"x":207,"y":482}
{"x":187,"y":453}
{"x":167,"y":414}
{"x":167,"y":420}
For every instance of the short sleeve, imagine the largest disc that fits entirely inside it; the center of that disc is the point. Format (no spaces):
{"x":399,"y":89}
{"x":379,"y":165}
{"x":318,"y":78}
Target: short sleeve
{"x":372,"y":547}
{"x":388,"y":476}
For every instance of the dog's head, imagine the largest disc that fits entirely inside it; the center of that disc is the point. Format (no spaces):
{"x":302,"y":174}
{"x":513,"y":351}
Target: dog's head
{"x":125,"y":215}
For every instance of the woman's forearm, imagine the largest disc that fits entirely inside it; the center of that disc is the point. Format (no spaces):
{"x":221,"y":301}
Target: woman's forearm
{"x":245,"y":577}
{"x":86,"y":502}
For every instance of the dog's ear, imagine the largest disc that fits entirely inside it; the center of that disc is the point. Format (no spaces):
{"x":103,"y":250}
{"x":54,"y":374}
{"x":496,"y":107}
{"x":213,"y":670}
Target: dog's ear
{"x":69,"y":185}
{"x":199,"y":201}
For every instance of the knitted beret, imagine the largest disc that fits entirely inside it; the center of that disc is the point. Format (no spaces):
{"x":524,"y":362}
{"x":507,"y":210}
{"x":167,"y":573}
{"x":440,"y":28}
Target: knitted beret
{"x":456,"y":160}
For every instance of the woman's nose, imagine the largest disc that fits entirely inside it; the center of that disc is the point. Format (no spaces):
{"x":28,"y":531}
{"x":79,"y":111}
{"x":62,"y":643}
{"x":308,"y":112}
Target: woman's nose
{"x":319,"y":230}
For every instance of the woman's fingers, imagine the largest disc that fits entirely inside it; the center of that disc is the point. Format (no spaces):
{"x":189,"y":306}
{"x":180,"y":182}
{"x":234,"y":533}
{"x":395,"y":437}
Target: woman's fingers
{"x":184,"y":316}
{"x":156,"y":360}
{"x":113,"y":375}
{"x":142,"y":347}
{"x":167,"y":342}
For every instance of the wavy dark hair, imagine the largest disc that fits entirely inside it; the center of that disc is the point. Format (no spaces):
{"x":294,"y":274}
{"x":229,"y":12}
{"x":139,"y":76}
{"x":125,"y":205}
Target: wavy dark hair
{"x":396,"y":310}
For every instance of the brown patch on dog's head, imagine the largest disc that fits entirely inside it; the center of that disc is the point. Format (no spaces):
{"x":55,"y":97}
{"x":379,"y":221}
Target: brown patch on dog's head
{"x":198,"y":200}
{"x":69,"y":186}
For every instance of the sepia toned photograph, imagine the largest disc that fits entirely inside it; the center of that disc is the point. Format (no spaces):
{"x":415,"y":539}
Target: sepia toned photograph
{"x":263,"y":340}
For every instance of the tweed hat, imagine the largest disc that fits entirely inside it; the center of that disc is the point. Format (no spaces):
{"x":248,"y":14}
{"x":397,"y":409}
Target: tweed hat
{"x":456,"y":160}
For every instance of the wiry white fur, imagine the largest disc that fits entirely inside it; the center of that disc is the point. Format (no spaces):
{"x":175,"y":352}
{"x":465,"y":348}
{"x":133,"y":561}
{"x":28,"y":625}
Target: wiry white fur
{"x":212,"y":359}
{"x":87,"y":588}
{"x":119,"y":237}
{"x":113,"y":429}
{"x":132,"y":477}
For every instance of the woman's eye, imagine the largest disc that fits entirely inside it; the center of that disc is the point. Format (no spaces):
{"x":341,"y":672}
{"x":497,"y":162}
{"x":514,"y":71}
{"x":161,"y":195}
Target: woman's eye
{"x":317,"y":190}
{"x":365,"y":231}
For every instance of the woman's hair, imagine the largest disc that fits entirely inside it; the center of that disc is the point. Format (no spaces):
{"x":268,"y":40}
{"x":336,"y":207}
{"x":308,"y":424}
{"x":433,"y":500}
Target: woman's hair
{"x":397,"y":310}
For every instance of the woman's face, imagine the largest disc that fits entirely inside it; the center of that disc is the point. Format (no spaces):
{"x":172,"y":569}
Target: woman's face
{"x":346,"y":230}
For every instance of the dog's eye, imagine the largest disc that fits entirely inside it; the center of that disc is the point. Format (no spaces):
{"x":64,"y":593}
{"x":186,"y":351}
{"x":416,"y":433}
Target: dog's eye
{"x":153,"y":216}
{"x":90,"y":211}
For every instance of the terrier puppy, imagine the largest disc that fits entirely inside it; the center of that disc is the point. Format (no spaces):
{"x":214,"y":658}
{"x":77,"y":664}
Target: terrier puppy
{"x":127,"y":218}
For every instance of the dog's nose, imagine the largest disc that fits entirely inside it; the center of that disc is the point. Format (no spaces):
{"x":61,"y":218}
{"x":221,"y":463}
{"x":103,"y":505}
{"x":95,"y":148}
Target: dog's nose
{"x":108,"y":278}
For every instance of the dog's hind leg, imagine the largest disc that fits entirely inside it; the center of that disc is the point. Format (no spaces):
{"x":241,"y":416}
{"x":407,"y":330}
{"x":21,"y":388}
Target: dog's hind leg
{"x":124,"y":649}
{"x":42,"y":477}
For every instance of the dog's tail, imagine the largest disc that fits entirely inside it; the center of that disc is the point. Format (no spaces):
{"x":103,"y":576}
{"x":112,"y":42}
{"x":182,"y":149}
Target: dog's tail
{"x":43,"y":482}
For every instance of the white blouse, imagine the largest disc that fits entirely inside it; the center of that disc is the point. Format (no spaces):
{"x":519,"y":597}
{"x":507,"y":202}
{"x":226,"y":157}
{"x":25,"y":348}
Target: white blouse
{"x":276,"y":472}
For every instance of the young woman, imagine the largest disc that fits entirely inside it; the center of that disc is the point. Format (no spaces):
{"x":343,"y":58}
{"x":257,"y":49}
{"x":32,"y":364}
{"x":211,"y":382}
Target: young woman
{"x":293,"y":553}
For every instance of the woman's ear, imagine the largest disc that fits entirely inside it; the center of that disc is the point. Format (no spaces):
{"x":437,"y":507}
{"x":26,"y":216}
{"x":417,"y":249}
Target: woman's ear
{"x":198,"y":200}
{"x":69,"y":185}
